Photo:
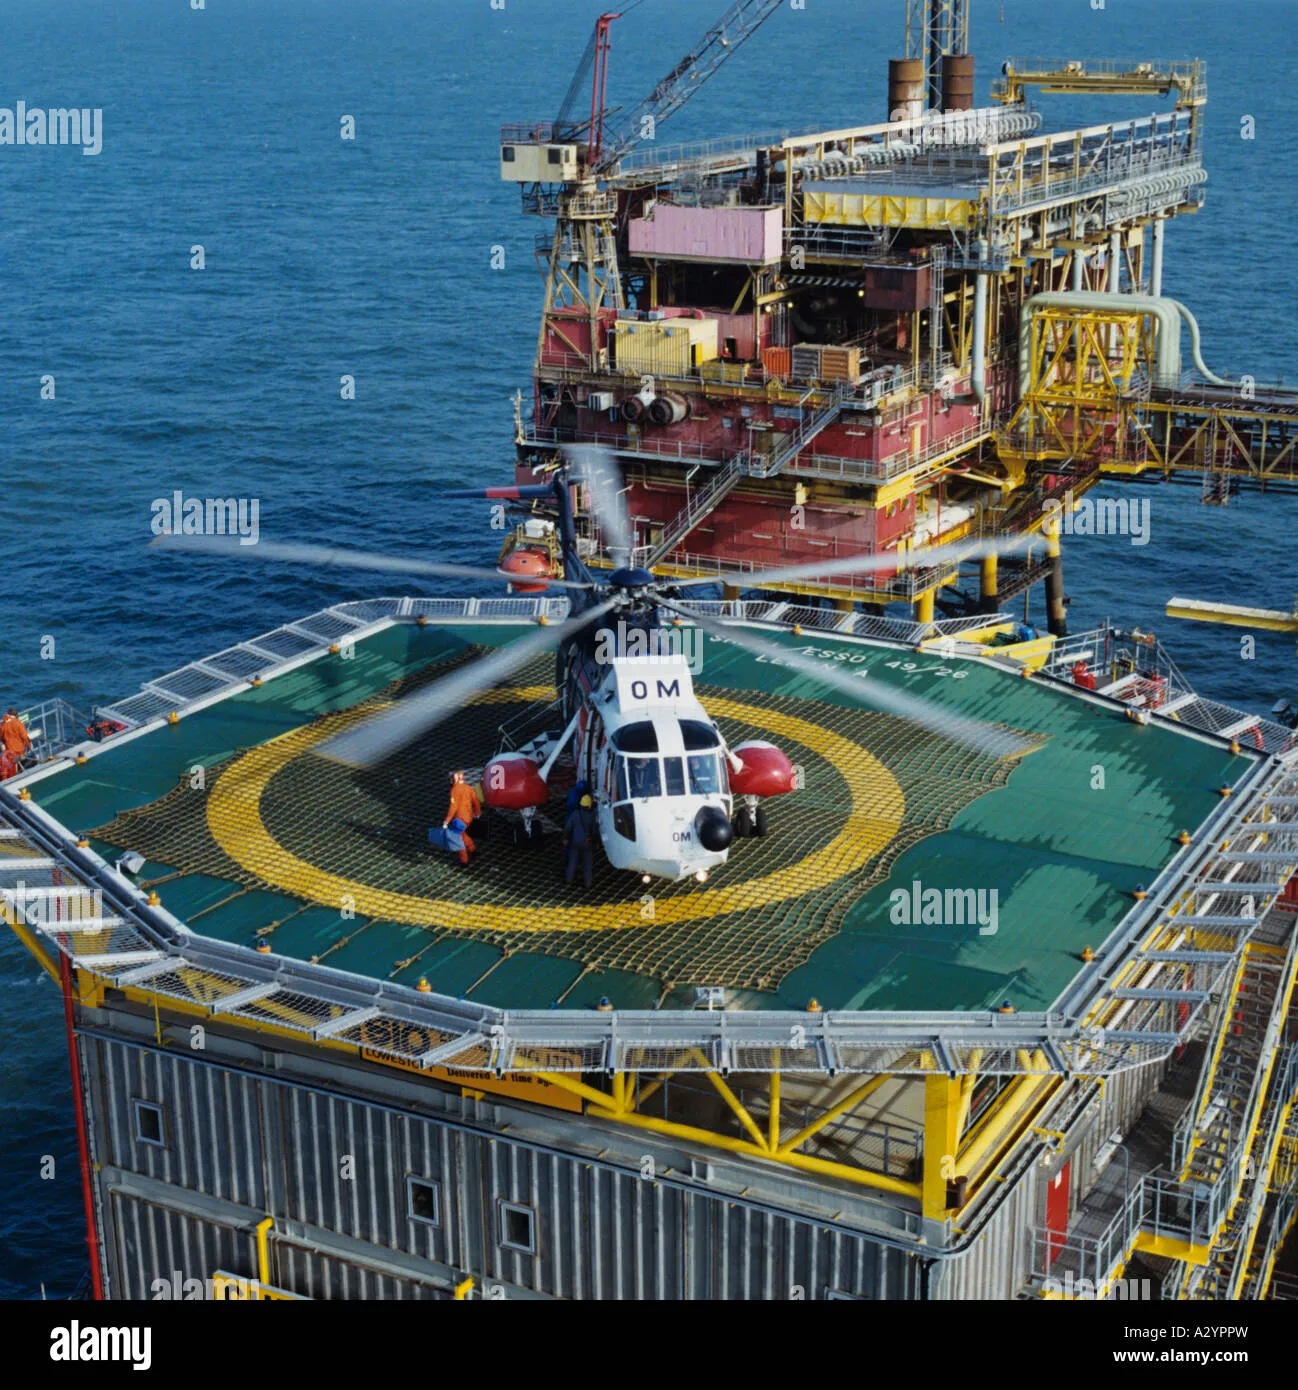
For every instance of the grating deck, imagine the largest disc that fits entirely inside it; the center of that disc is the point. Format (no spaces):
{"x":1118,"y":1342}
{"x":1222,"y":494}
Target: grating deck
{"x":332,"y":866}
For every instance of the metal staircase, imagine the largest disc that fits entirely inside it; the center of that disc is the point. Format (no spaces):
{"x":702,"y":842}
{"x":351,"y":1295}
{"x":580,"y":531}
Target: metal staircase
{"x":812,"y":425}
{"x":1228,"y":1083}
{"x":724,"y":481}
{"x":1223,"y":1212}
{"x":1275,"y":1199}
{"x":1236,"y":1129}
{"x":699,"y":507}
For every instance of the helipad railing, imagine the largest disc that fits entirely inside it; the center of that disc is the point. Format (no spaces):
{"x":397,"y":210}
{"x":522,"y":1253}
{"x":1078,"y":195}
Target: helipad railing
{"x":76,"y":903}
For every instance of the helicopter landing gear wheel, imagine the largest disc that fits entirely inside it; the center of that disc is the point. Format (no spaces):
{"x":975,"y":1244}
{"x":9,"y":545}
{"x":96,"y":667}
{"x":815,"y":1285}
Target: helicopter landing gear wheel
{"x":743,"y":822}
{"x":759,"y":821}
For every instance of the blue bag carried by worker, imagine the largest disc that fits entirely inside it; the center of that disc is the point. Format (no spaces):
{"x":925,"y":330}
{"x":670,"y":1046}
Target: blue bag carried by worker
{"x":448,"y":837}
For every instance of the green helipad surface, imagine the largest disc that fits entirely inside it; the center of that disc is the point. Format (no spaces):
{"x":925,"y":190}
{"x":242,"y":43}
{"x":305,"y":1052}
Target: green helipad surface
{"x":333,"y":865}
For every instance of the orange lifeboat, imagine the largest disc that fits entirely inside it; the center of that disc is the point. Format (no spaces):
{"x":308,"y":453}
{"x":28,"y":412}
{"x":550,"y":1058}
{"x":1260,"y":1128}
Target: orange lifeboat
{"x":527,"y":563}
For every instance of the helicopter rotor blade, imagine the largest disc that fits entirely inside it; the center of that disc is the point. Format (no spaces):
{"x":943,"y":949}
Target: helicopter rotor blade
{"x":327,"y":557}
{"x":377,"y":738}
{"x":971,"y":733}
{"x":868,"y":564}
{"x":597,"y":468}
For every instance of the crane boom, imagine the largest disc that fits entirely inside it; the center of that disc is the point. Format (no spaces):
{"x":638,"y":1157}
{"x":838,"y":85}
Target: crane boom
{"x":739,"y":22}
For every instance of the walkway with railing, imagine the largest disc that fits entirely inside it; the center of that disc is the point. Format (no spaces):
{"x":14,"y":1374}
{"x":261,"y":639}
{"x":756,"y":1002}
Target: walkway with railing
{"x":52,"y":726}
{"x":1209,"y":1211}
{"x":699,"y":506}
{"x":1136,"y":668}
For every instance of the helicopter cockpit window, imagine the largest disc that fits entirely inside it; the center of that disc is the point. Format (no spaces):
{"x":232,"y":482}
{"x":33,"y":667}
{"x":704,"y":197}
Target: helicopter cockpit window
{"x":641,"y":737}
{"x":696,"y":734}
{"x":642,"y":773}
{"x":705,"y":775}
{"x":674,"y":776}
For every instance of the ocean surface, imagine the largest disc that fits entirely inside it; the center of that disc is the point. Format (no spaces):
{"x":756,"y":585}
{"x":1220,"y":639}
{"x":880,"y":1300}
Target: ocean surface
{"x":373,"y":258}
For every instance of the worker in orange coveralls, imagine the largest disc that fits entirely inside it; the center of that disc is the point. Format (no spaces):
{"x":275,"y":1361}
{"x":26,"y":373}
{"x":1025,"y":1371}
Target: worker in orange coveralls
{"x":464,"y":807}
{"x":14,"y":743}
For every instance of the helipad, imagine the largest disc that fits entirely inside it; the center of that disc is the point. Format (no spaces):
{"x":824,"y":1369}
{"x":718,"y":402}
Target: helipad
{"x":248,"y":833}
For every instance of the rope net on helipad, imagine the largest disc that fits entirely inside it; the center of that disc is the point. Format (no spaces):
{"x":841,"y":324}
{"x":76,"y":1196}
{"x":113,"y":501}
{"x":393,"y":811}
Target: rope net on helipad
{"x":280,"y":817}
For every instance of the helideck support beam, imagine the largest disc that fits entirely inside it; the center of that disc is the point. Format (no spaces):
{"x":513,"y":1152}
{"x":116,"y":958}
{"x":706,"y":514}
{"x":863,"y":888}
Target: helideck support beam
{"x":942,"y":1112}
{"x":240,"y":997}
{"x":343,"y":1022}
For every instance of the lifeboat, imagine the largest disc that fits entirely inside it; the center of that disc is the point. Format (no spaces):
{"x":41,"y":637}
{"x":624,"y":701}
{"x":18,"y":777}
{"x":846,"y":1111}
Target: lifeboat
{"x":528,"y":563}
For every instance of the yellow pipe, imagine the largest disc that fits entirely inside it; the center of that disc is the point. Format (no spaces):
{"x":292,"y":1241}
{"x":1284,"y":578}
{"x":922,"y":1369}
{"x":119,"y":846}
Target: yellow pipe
{"x":579,"y":1088}
{"x":650,"y":1089}
{"x":734,"y":1103}
{"x":463,"y":1289}
{"x":1008,"y":1114}
{"x":988,"y":576}
{"x":1050,"y":530}
{"x":924,"y":606}
{"x":743,"y":1146}
{"x":263,"y":1251}
{"x":853,"y":1098}
{"x":967,"y":1085}
{"x":773,"y":1126}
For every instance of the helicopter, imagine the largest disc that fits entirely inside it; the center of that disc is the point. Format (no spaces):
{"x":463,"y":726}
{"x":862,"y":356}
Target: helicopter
{"x":670,"y":795}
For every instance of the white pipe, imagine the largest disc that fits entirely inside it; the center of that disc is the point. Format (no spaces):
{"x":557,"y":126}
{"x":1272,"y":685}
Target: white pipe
{"x":1156,"y":268}
{"x":978,"y":381}
{"x":1079,"y":267}
{"x":1115,"y":262}
{"x":1166,"y":311}
{"x":1195,"y":353}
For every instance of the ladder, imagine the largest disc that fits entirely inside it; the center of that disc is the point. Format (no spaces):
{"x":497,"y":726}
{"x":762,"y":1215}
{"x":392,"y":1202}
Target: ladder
{"x":724,"y":481}
{"x":1217,"y":456}
{"x":1244,"y":1108}
{"x":700,"y":506}
{"x":807,"y":430}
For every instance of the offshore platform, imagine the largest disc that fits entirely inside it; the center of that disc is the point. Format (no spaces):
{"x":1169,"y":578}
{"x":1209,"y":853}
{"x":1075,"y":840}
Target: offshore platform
{"x":963,"y":1024}
{"x":946,"y":324}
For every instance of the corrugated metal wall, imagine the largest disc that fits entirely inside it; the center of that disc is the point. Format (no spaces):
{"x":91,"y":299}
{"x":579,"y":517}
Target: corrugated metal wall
{"x":151,"y":1243}
{"x":339,"y":1166}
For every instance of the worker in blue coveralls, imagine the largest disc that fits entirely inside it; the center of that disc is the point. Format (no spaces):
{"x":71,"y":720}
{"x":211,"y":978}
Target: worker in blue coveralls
{"x":579,"y":840}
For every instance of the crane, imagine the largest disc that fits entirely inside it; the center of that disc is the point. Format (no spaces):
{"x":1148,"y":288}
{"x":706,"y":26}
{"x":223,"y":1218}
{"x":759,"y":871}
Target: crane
{"x":560,"y":165}
{"x":737,"y":25}
{"x":554,"y":152}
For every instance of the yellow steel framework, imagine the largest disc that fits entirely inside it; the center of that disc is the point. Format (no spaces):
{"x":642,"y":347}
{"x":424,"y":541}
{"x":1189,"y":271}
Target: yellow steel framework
{"x":1083,"y":366}
{"x":953,"y":1149}
{"x":1092,"y":396}
{"x":1186,"y":80}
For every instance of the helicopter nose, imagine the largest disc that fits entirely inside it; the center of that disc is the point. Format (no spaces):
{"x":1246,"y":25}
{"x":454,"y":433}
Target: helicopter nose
{"x":714,"y":829}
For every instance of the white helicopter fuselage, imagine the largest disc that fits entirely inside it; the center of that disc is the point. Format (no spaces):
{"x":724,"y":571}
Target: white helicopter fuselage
{"x":657,"y":769}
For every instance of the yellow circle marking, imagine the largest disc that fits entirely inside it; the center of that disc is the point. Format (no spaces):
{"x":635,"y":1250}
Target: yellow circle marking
{"x":877,"y":804}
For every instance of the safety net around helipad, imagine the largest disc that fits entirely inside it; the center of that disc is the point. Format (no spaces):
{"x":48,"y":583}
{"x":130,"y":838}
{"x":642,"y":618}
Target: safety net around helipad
{"x":277,"y":817}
